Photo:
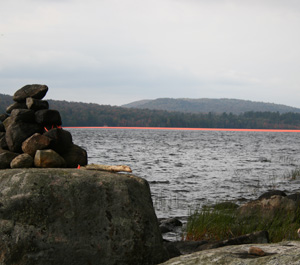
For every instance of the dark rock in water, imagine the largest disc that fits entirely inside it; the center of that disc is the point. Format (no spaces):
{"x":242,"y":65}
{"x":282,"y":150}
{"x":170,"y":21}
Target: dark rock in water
{"x":15,"y":105}
{"x":76,"y":217}
{"x":24,"y":115}
{"x":61,"y":140}
{"x":169,"y":225}
{"x":18,"y":132}
{"x":34,"y":143}
{"x":3,"y":116}
{"x":33,"y":91}
{"x":171,"y":221}
{"x":48,"y":117}
{"x":75,"y":156}
{"x":269,"y":194}
{"x":36,"y":104}
{"x":22,"y":161}
{"x":6,"y":157}
{"x":48,"y":159}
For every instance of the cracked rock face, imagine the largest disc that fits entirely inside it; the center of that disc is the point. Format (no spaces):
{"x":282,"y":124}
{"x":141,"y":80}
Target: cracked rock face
{"x":70,"y":216}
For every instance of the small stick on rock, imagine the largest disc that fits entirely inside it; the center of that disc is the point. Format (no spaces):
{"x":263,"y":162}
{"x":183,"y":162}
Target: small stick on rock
{"x":118,"y":168}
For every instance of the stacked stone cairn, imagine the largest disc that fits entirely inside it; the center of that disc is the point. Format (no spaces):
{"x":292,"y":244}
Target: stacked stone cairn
{"x":31,"y":134}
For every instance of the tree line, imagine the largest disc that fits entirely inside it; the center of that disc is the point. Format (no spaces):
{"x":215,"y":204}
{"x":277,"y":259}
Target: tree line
{"x":88,"y":114}
{"x":83,"y":114}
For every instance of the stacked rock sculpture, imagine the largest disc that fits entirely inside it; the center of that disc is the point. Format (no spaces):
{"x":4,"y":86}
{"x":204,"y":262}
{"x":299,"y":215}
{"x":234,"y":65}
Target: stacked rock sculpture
{"x":31,"y":134}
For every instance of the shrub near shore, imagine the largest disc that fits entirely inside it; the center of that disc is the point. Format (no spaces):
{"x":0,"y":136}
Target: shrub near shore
{"x":279,"y":215}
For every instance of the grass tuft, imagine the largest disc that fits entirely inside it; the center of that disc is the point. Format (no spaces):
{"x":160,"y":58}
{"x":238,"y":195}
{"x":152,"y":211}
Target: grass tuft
{"x":221,"y":224}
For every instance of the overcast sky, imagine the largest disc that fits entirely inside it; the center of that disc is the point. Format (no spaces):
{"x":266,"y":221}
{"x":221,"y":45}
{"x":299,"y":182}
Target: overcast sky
{"x":118,"y":51}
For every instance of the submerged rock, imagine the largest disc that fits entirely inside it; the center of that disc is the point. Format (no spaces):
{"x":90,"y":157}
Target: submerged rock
{"x":72,"y":216}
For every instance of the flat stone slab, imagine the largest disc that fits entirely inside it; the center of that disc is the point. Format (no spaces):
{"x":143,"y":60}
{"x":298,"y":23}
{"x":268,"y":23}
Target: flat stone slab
{"x":287,"y":252}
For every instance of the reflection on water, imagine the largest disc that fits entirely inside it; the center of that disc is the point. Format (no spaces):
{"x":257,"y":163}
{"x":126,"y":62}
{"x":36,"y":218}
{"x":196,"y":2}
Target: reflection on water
{"x":187,"y":169}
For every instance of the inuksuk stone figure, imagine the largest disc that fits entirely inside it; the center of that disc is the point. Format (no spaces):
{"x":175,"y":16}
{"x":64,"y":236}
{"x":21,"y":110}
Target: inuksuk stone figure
{"x":31,"y":134}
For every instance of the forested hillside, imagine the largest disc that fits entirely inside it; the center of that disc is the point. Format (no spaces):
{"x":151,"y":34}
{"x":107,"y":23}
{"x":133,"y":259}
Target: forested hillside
{"x":84,"y":114}
{"x":206,"y":105}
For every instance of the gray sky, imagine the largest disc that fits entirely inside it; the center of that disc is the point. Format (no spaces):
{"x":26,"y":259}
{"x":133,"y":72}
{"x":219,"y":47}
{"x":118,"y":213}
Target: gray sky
{"x":118,"y":51}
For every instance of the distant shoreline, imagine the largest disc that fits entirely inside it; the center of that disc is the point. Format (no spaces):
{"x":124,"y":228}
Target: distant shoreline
{"x":182,"y":129}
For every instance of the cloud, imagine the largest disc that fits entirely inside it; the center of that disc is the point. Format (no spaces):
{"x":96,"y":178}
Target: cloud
{"x":142,"y":49}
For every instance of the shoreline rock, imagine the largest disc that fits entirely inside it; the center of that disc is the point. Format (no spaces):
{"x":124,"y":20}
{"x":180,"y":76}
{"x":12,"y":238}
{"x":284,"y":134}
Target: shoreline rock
{"x":287,"y":252}
{"x":70,"y":216}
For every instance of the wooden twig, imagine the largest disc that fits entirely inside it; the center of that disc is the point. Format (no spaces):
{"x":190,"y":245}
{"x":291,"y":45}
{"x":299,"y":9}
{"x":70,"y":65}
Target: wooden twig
{"x":118,"y":168}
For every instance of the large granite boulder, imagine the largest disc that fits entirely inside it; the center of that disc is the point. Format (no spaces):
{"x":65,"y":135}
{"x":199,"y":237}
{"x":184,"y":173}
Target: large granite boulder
{"x":272,"y":254}
{"x":78,"y":217}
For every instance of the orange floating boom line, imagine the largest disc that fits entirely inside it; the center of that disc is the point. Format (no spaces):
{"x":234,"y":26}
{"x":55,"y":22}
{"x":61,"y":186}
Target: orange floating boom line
{"x":187,"y":129}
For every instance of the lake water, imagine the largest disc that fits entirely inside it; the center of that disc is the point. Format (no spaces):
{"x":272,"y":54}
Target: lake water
{"x":189,"y":169}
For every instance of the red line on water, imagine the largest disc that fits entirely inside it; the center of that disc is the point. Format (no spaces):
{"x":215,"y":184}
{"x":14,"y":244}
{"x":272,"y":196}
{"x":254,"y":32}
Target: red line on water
{"x":187,"y":129}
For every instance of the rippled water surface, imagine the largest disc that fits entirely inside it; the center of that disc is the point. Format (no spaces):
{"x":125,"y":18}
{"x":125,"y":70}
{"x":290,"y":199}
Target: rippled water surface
{"x":187,"y":169}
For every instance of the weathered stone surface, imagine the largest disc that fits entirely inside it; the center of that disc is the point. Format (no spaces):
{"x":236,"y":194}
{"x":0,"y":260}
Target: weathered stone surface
{"x":24,"y":115}
{"x":18,"y":132}
{"x":48,"y":159}
{"x":15,"y":105}
{"x":22,"y":161}
{"x":48,"y":117}
{"x":36,"y":104}
{"x":3,"y":116}
{"x":280,"y":253}
{"x":268,"y":208}
{"x":70,"y":216}
{"x":75,"y":156}
{"x":34,"y":143}
{"x":34,"y":91}
{"x":5,"y":158}
{"x":61,"y":140}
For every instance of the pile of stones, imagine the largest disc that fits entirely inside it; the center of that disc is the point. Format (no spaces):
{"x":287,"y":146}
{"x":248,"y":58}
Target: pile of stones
{"x":31,"y":134}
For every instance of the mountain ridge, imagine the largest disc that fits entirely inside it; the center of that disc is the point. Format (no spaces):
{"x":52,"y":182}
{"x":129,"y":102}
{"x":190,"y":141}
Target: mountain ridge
{"x":92,"y":114}
{"x":206,"y":105}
